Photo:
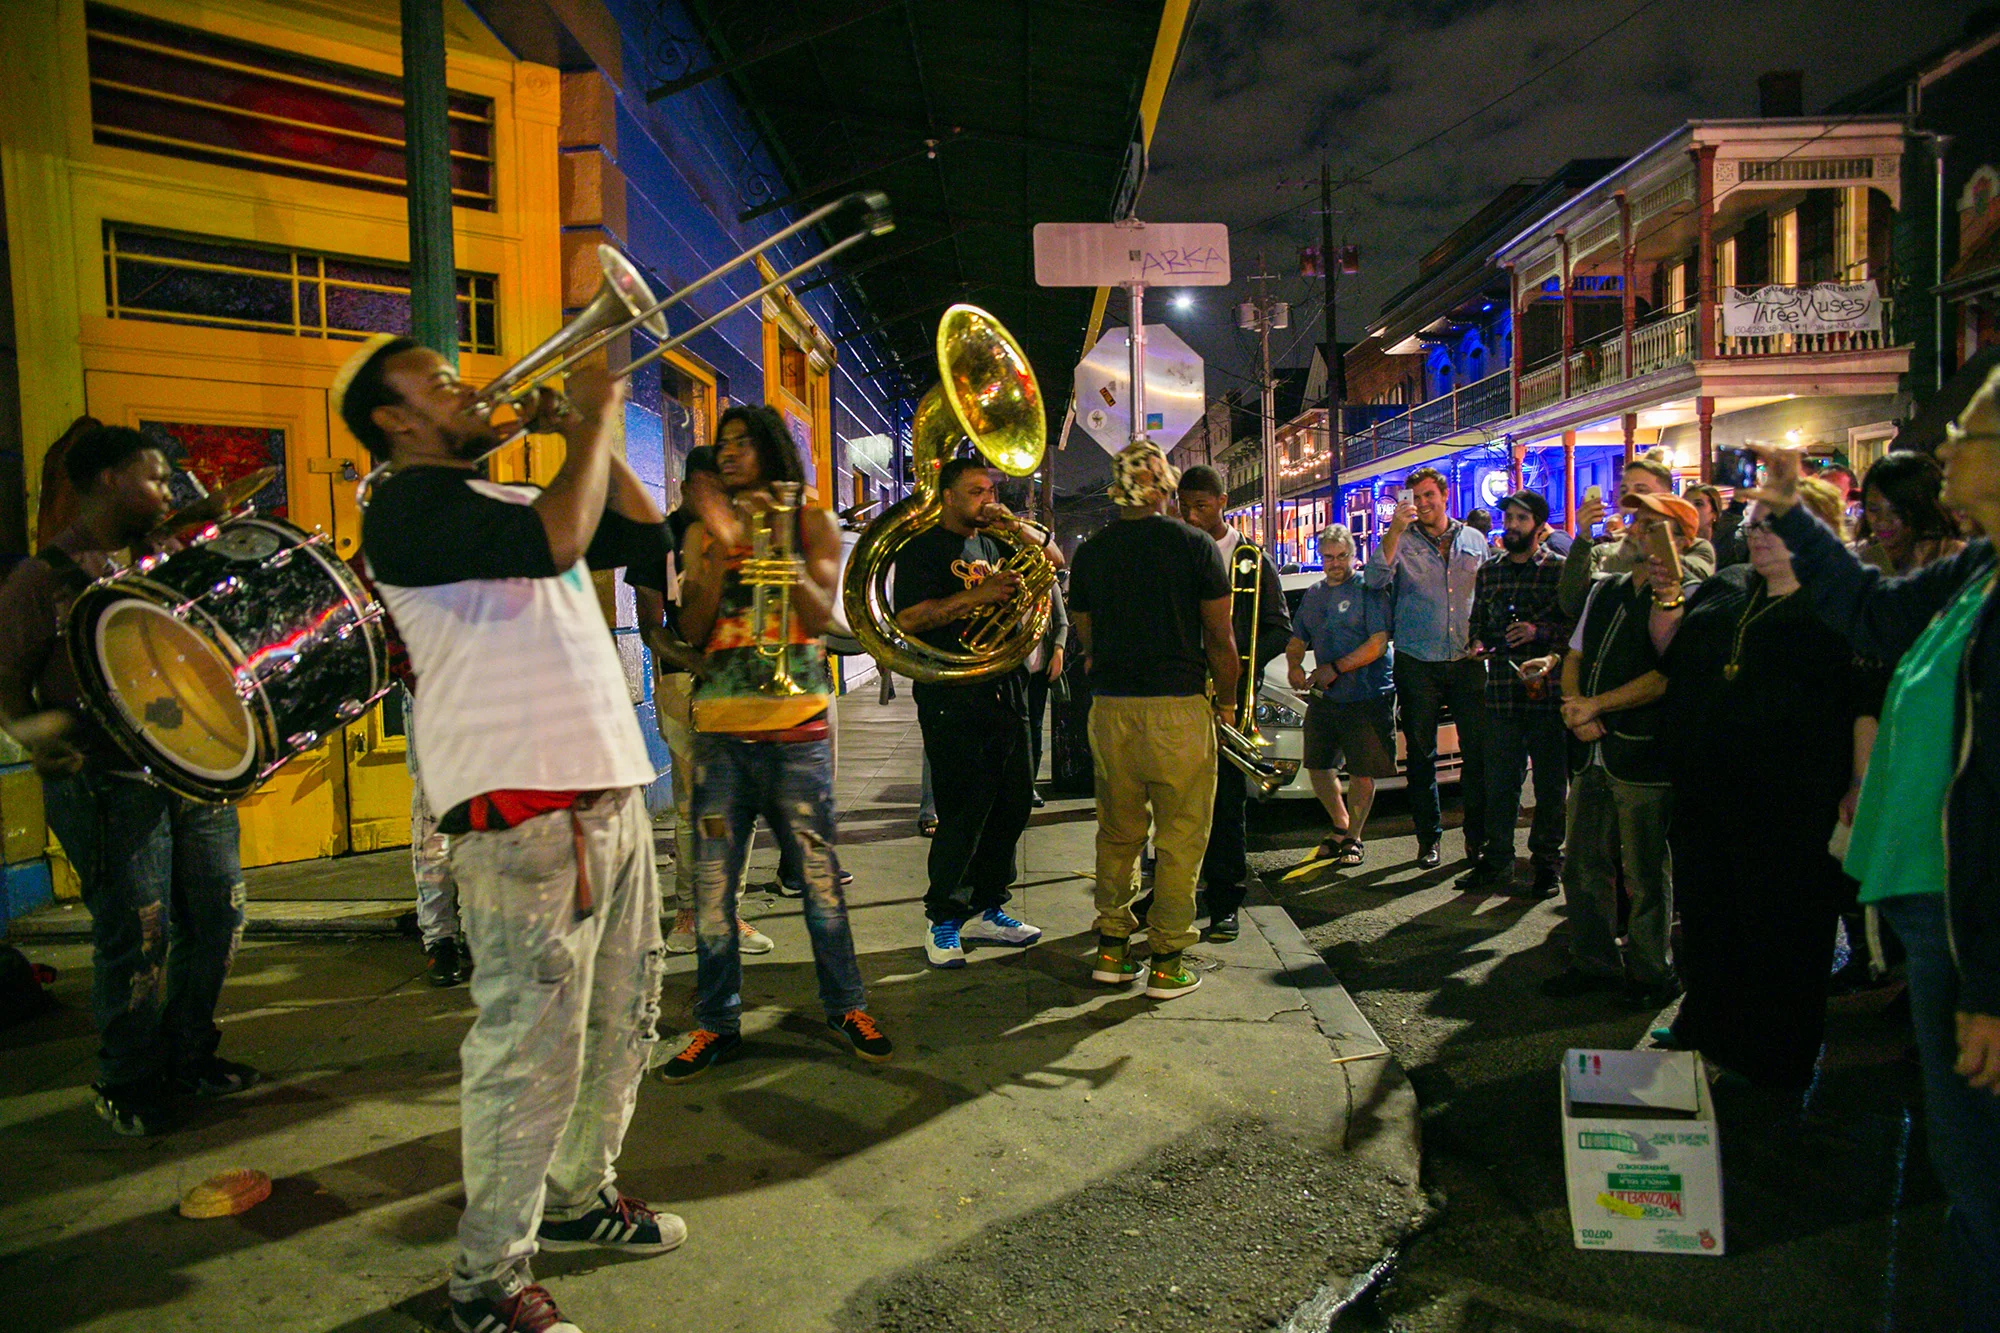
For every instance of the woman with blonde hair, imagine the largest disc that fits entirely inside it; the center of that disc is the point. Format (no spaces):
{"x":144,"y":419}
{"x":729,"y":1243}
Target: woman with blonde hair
{"x":1761,"y":701}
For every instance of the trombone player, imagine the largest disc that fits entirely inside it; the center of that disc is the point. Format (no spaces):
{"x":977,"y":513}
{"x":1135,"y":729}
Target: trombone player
{"x":1260,"y":618}
{"x":975,"y":732}
{"x":761,"y":727}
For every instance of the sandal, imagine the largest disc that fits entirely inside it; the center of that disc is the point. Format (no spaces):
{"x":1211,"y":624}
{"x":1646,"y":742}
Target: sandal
{"x":926,"y":828}
{"x":1330,"y":849}
{"x":1351,"y":853}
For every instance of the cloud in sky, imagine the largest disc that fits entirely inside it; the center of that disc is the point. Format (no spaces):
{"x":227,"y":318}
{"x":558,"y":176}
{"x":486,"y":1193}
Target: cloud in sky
{"x":1265,"y":87}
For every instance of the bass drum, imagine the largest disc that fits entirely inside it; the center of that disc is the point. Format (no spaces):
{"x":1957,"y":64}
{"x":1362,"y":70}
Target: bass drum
{"x":214,"y":665}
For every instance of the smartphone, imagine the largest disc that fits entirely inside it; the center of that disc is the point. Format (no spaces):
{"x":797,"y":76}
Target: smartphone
{"x":1593,"y":494}
{"x":1405,"y":495}
{"x":1736,"y":468}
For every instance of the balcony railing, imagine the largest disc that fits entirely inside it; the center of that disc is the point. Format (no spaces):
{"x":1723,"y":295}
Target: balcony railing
{"x":1655,"y":346}
{"x":1542,"y":385}
{"x":1472,"y":405}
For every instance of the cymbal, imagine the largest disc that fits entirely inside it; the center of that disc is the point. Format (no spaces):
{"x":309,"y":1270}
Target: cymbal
{"x":219,"y":503}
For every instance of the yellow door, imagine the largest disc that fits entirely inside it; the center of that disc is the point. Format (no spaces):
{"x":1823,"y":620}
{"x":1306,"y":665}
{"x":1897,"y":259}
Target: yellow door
{"x":221,"y":430}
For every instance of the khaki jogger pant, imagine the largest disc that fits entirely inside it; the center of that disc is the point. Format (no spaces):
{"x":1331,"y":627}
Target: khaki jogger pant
{"x":1152,"y":755}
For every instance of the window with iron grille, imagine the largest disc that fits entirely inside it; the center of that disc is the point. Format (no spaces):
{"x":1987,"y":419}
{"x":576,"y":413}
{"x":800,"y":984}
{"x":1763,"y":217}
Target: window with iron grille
{"x":162,"y":88}
{"x":218,"y":283}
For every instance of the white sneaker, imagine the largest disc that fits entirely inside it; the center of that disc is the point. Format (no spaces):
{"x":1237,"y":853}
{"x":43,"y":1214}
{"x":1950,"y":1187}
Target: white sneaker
{"x":752,"y":940}
{"x":941,"y":944}
{"x":681,"y":938}
{"x":994,"y":926}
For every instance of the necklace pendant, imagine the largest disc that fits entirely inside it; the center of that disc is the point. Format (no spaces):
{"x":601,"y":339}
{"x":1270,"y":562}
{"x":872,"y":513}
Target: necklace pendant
{"x":1729,"y":672}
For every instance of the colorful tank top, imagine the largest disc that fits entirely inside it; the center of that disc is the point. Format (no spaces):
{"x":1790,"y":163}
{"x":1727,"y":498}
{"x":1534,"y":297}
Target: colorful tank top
{"x":732,"y":698}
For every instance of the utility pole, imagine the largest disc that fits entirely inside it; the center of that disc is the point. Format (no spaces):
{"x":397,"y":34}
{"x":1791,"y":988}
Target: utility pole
{"x":1336,"y":360}
{"x":1263,"y":314}
{"x":427,"y":179}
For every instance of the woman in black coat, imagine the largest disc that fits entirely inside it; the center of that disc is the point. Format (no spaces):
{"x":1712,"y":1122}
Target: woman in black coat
{"x":1760,"y":705}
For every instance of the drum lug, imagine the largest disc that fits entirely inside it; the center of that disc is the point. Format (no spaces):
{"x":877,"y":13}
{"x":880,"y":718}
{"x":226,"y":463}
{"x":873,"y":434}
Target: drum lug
{"x":301,"y":740}
{"x":279,"y":558}
{"x":351,"y":709}
{"x":223,"y":587}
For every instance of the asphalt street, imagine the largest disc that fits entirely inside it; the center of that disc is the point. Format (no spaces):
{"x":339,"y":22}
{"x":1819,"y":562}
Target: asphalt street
{"x":1833,"y":1218}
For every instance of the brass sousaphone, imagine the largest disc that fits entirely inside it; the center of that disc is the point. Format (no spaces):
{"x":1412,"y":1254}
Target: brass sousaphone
{"x":987,"y":394}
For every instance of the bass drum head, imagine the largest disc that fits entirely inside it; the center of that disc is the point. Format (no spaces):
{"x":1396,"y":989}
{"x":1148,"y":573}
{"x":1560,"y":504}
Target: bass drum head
{"x":176,"y":692}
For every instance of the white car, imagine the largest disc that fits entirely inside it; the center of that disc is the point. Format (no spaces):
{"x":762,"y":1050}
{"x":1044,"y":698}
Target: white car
{"x":1281,"y":714}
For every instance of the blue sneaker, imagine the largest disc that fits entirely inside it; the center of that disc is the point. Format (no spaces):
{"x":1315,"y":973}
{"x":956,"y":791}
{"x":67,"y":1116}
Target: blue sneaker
{"x":994,"y":926}
{"x":941,"y":945}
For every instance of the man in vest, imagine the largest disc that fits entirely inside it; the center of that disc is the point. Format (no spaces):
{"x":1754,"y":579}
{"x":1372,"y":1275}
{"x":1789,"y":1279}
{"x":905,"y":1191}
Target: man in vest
{"x":1619,"y":800}
{"x":759,"y":751}
{"x":532,"y":756}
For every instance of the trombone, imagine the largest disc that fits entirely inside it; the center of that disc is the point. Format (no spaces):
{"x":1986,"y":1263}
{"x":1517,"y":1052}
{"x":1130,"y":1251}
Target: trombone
{"x":624,"y":303}
{"x":1245,"y":746}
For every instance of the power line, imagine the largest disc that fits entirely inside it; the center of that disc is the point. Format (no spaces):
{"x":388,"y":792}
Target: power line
{"x":1473,"y":115}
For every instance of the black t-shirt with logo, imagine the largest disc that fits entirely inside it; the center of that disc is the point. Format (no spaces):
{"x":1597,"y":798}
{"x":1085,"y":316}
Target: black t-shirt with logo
{"x":1142,"y":582}
{"x":941,"y":563}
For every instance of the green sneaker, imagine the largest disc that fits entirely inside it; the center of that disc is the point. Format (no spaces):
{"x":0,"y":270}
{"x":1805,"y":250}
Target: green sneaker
{"x":1115,"y":965}
{"x":1169,"y":978}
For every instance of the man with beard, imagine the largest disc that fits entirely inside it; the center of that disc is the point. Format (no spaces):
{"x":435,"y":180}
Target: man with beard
{"x":975,"y":732}
{"x":1515,"y":618}
{"x":532,"y":755}
{"x":159,"y":872}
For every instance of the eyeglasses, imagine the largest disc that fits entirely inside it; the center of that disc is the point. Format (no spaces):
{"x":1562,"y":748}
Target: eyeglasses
{"x":1762,"y":525}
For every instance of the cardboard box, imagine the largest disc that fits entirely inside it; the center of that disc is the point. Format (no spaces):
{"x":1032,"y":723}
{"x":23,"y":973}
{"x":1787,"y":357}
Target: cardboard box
{"x":24,"y":830}
{"x":1641,"y":1152}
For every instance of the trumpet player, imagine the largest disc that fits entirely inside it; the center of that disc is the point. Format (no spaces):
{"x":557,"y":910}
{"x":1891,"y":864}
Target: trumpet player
{"x":1149,"y":597}
{"x":761,"y":727}
{"x":975,"y":732}
{"x":1263,"y":621}
{"x":533,"y":755}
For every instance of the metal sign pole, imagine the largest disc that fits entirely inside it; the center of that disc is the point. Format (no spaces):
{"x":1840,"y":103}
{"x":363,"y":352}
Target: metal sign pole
{"x":1136,"y":340}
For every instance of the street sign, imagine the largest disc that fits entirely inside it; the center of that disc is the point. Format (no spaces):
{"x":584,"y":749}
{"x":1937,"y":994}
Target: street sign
{"x":1113,"y":254}
{"x":1175,"y":389}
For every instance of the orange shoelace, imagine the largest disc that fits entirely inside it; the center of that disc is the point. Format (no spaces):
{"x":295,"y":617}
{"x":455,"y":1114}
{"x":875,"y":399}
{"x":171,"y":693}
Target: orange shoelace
{"x":701,"y":1041}
{"x":863,"y":1024}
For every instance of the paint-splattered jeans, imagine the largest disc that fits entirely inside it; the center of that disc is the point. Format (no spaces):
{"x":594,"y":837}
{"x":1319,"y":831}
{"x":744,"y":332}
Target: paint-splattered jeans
{"x":789,"y":783}
{"x":568,"y":1007}
{"x":164,"y":887}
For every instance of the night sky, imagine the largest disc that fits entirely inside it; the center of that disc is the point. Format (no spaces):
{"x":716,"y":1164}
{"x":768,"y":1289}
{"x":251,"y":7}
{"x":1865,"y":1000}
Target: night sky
{"x":1266,"y":87}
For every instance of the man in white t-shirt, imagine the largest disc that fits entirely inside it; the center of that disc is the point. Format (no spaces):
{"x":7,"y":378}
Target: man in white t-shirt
{"x":534,"y":761}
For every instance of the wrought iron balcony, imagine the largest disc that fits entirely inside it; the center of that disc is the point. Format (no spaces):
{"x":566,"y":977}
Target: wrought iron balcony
{"x":1471,"y":405}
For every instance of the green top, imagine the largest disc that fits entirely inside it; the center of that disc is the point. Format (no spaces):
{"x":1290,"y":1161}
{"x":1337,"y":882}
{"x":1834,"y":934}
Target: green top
{"x":1898,"y":844}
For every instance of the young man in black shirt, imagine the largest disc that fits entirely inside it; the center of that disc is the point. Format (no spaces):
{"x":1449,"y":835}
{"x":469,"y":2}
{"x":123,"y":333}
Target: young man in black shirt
{"x":160,"y":873}
{"x":1225,"y":869}
{"x":975,"y":732}
{"x":1150,"y":599}
{"x":533,"y":755}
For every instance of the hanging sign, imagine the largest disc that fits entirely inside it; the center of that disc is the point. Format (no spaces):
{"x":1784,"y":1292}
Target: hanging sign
{"x":1822,"y":307}
{"x":1113,"y":254}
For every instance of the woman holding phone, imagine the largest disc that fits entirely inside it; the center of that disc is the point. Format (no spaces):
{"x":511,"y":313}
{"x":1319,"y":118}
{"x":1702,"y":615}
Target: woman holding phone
{"x":1936,"y":881}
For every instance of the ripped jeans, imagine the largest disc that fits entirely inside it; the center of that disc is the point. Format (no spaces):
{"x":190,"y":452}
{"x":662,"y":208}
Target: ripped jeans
{"x":789,"y":783}
{"x":568,"y":1007}
{"x":164,"y":885}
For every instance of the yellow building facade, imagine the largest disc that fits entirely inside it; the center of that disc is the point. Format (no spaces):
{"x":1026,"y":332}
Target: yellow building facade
{"x":153,"y":256}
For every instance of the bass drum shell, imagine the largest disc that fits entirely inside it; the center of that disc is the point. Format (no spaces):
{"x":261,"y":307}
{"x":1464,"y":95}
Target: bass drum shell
{"x":212,"y":666}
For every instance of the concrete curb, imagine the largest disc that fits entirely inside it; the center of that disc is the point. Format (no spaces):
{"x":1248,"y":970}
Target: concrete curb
{"x":1353,"y":1037}
{"x":70,"y":922}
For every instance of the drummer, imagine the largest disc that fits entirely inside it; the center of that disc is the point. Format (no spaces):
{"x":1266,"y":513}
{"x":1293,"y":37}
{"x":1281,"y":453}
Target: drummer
{"x":155,"y":867}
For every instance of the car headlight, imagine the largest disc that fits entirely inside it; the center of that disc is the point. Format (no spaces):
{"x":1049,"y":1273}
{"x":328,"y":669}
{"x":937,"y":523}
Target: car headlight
{"x":1277,"y":715}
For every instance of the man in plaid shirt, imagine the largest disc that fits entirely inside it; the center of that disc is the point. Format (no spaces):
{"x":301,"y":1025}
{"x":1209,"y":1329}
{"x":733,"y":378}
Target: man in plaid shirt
{"x":1516,"y":618}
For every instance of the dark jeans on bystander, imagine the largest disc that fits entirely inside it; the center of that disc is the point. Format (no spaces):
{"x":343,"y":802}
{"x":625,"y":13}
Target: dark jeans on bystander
{"x":164,"y":885}
{"x":1225,"y":866}
{"x":1514,"y":741}
{"x":1423,"y":690}
{"x":1963,"y":1122}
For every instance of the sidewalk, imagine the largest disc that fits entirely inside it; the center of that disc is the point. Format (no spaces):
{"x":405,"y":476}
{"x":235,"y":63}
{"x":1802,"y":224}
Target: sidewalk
{"x":1042,"y":1153}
